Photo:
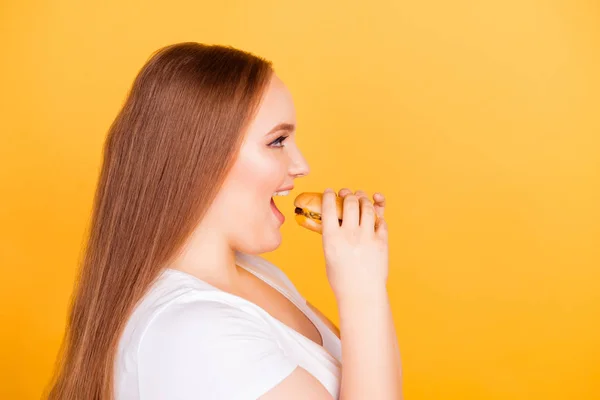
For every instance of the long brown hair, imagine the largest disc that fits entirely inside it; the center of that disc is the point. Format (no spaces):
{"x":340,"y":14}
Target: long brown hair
{"x":165,"y":157}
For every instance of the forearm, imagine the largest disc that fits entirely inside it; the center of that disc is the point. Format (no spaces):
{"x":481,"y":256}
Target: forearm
{"x":371,"y":360}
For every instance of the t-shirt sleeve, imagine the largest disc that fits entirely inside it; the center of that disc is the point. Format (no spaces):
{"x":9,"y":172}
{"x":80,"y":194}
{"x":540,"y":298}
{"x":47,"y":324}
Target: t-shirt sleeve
{"x":209,"y":350}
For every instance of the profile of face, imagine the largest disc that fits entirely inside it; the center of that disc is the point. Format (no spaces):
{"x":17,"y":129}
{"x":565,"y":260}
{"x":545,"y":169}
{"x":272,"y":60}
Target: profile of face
{"x":268,"y":162}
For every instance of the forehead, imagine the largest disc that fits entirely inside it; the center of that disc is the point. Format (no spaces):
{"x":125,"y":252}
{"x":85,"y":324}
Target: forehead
{"x":277,"y":106}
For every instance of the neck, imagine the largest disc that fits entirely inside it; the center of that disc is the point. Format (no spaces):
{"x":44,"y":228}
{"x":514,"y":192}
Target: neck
{"x":210,"y":258}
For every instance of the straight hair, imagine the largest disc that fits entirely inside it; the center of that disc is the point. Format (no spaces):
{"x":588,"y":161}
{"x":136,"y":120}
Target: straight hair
{"x":165,"y":158}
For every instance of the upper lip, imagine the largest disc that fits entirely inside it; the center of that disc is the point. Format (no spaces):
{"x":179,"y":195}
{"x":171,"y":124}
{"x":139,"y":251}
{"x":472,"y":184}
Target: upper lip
{"x":285,"y":188}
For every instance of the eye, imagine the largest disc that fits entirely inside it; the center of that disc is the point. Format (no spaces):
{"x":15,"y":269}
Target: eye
{"x":278,"y":142}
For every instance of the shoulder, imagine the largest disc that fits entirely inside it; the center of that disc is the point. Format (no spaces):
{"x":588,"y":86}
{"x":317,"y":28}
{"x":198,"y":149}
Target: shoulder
{"x":201,"y":347}
{"x":201,"y":318}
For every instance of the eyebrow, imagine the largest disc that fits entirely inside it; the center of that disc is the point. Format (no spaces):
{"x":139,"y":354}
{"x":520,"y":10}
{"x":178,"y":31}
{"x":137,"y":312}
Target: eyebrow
{"x":284,"y":126}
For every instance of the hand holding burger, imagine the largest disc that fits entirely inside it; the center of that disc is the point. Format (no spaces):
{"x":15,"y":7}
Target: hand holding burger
{"x":354,"y":239}
{"x":308,"y":209}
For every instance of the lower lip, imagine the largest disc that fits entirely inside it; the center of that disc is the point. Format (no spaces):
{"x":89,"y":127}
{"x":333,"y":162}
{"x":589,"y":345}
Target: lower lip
{"x":276,"y":211}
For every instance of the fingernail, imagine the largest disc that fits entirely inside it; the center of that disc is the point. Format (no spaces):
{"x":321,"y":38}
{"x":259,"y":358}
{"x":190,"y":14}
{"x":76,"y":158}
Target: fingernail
{"x":328,"y":190}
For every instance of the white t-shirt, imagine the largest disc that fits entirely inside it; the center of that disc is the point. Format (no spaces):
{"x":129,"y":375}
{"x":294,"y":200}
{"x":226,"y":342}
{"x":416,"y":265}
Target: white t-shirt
{"x":187,"y":340}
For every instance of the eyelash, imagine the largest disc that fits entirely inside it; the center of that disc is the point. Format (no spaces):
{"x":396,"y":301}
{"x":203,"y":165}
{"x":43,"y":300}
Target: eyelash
{"x":278,"y":142}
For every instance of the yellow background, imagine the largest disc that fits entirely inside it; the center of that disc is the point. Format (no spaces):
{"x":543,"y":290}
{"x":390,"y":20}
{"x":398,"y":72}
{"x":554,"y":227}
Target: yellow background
{"x":478,"y":119}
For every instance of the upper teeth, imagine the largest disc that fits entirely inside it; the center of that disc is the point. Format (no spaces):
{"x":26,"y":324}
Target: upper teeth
{"x":282,"y":193}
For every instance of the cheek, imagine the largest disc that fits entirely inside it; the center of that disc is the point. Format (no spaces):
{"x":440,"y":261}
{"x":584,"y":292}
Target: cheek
{"x":248,"y":189}
{"x":252,"y":181}
{"x":259,"y":173}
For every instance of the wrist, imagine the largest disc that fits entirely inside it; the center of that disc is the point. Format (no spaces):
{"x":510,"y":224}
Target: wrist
{"x":367,"y":297}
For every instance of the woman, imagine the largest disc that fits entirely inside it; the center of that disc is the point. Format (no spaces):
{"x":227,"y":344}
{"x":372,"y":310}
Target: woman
{"x":173,"y":301}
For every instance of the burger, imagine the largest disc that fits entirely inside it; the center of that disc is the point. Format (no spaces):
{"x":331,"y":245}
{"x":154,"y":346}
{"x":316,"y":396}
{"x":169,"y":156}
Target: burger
{"x":308,"y":207}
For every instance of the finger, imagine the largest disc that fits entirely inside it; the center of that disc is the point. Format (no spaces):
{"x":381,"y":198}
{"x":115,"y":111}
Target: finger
{"x":329,"y":217}
{"x":361,"y":193}
{"x":379,"y":200}
{"x":344,"y":192}
{"x":351,"y":211}
{"x":381,"y":229}
{"x":367,"y":214}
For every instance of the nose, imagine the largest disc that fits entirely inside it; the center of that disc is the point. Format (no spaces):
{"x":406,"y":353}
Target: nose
{"x":298,"y":167}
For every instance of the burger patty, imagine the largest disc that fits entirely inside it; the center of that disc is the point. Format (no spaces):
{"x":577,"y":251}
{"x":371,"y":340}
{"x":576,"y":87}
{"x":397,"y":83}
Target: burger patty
{"x":309,"y":214}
